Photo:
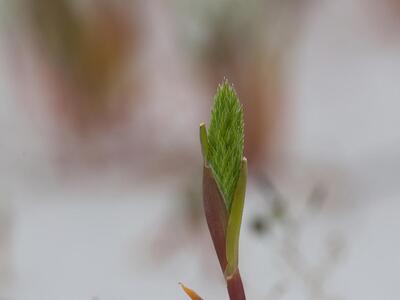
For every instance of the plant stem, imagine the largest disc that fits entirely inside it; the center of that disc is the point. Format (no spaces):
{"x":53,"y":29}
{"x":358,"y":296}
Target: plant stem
{"x":235,"y":287}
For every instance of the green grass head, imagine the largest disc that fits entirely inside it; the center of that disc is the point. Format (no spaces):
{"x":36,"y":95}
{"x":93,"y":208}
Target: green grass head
{"x":225,"y":140}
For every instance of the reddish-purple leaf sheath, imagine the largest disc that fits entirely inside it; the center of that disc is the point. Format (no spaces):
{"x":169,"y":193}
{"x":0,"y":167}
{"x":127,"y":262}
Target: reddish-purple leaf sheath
{"x":217,"y":220}
{"x":235,"y":287}
{"x":216,"y":215}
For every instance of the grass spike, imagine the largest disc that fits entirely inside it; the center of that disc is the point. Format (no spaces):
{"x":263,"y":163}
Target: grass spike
{"x":225,"y":140}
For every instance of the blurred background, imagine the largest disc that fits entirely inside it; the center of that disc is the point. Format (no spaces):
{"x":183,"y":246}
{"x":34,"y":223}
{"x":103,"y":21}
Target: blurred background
{"x":100,"y":164}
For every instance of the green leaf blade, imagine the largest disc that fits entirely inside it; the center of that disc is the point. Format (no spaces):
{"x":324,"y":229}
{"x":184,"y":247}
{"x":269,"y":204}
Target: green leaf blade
{"x":235,"y":221}
{"x":204,"y":141}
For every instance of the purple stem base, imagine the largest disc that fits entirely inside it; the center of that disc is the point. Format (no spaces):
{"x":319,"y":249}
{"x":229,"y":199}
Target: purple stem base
{"x":235,"y":287}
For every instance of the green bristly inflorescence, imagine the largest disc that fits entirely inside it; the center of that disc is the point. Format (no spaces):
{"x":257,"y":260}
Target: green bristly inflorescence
{"x":225,"y":140}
